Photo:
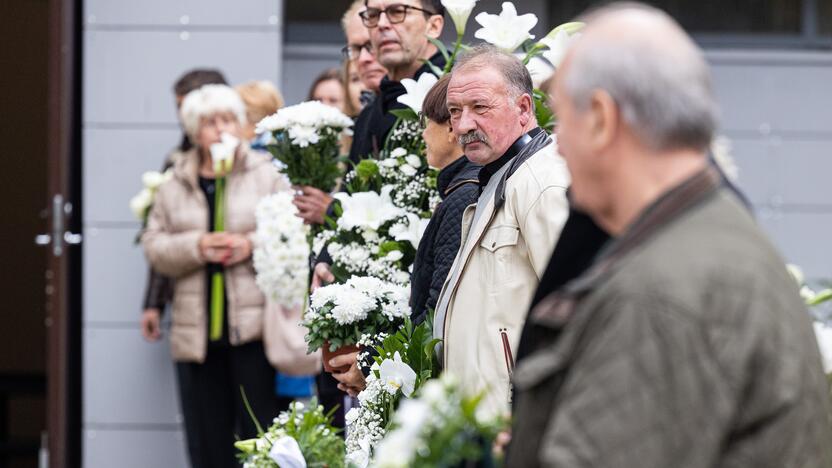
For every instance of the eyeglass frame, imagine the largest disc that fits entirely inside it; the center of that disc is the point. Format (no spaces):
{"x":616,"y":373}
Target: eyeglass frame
{"x":407,"y":8}
{"x":349,"y":48}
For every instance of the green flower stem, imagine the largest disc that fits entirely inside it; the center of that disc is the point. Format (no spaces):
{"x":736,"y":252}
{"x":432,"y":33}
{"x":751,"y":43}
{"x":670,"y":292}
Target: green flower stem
{"x":217,"y":280}
{"x":457,"y":46}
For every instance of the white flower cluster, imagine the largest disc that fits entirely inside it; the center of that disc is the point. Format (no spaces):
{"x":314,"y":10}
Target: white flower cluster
{"x":355,"y":300}
{"x":366,"y":424}
{"x":410,"y":188}
{"x":305,"y":122}
{"x":281,"y":253}
{"x":363,"y":260}
{"x":439,"y":400}
{"x":151,"y":181}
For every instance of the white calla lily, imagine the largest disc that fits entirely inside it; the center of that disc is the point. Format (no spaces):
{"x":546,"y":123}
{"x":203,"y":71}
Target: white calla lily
{"x":507,"y":31}
{"x":222,"y":153}
{"x":286,"y":453}
{"x":417,"y":90}
{"x":459,"y":11}
{"x":141,"y":202}
{"x":152,"y":179}
{"x":397,"y":375}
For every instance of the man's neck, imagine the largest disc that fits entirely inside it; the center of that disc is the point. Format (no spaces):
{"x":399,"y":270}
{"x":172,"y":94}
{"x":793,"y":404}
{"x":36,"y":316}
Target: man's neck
{"x":409,"y":70}
{"x":640,"y":185}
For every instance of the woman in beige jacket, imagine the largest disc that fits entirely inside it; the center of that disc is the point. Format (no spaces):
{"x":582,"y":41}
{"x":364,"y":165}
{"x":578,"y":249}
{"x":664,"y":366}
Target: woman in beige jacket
{"x":180,"y":243}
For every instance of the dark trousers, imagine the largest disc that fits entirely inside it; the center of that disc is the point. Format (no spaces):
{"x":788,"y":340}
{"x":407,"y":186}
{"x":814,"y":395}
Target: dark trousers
{"x":213,"y":406}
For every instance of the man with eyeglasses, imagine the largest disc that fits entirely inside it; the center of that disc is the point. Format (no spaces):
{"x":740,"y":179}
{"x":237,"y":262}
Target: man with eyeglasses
{"x":398,"y":32}
{"x":359,"y":50}
{"x":398,"y":38}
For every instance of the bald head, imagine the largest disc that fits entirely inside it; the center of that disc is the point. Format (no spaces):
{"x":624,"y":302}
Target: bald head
{"x":653,"y":71}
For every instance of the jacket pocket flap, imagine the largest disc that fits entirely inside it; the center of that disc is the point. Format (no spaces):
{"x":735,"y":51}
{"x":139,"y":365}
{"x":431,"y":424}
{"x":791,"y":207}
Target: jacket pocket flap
{"x":500,"y":236}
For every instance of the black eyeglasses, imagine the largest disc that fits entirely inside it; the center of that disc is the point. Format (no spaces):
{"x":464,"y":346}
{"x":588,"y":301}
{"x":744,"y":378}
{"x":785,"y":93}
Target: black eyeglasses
{"x":395,"y":14}
{"x":353,"y":51}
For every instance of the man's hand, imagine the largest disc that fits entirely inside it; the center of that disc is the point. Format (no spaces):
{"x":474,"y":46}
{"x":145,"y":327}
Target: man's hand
{"x":214,"y":247}
{"x":240,"y":249}
{"x":150,"y":324}
{"x":312,"y":204}
{"x":352,"y":381}
{"x":321,"y":276}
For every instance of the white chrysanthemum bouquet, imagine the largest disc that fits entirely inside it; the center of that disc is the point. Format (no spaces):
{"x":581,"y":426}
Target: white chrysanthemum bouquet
{"x":306,"y":140}
{"x":340,"y":315}
{"x":281,"y":251}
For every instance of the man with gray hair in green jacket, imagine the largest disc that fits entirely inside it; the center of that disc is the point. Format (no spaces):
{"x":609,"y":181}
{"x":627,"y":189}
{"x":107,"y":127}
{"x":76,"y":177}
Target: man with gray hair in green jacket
{"x":686,"y":343}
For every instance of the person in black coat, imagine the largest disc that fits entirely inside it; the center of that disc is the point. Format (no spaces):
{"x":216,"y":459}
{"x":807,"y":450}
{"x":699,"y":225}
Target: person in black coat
{"x":458,"y":187}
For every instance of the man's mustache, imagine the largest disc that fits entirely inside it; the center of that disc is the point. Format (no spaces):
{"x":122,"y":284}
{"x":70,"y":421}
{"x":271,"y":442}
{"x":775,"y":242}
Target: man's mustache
{"x":472,"y":137}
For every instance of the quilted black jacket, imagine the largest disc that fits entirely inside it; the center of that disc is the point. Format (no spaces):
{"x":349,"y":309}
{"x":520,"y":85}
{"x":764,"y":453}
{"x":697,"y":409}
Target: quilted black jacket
{"x":458,"y":187}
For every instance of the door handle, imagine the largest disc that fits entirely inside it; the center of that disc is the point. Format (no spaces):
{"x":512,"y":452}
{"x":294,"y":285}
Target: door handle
{"x":58,"y":238}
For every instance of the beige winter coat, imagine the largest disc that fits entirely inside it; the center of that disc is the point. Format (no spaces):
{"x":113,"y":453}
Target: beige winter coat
{"x":178,"y":219}
{"x":502,"y":266}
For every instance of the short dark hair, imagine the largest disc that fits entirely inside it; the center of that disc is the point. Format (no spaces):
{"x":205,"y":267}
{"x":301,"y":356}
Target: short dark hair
{"x":196,"y":79}
{"x":432,"y":5}
{"x":435,"y":106}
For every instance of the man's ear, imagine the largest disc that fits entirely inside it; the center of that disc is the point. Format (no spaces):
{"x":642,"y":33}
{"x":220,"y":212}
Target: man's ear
{"x":434,"y":26}
{"x":605,"y":119}
{"x":525,"y":105}
{"x":451,"y":136}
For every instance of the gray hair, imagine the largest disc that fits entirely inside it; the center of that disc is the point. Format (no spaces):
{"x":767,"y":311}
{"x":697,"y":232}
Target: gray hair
{"x":663,"y":92}
{"x":517,"y":77}
{"x":209,"y":100}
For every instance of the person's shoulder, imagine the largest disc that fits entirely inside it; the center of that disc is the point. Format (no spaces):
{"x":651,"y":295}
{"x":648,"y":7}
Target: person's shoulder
{"x":542,"y":170}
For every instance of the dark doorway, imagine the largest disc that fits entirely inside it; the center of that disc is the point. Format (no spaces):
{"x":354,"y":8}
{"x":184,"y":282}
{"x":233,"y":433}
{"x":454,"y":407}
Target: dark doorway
{"x":23,"y":100}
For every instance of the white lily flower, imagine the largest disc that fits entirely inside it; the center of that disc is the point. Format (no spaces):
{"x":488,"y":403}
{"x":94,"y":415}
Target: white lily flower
{"x":417,"y":90}
{"x":141,"y":202}
{"x":222,"y":153}
{"x":412,"y":231}
{"x":824,"y":336}
{"x":507,"y":31}
{"x":539,"y":70}
{"x":367,"y":209}
{"x":558,"y":45}
{"x":397,"y":375}
{"x":286,"y":453}
{"x":459,"y":11}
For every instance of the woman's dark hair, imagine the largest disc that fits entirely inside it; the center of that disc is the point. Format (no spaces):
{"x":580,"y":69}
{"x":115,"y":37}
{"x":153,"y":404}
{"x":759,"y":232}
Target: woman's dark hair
{"x":434,"y":107}
{"x":326,"y":75}
{"x":196,"y":79}
{"x":190,"y":81}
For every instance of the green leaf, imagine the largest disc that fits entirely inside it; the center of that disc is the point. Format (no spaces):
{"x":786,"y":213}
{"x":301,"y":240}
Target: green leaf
{"x":405,"y":114}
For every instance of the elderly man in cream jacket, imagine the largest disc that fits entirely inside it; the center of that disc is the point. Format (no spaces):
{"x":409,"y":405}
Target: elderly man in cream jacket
{"x":508,"y":236}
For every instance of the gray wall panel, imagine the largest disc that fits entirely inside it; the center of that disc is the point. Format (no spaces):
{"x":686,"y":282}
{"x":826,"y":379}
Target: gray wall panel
{"x":181,"y":13}
{"x":113,"y":164}
{"x":140,"y":384}
{"x":129,"y":74}
{"x":116,"y":271}
{"x":801,"y":238}
{"x":774,"y":97}
{"x":108,"y":448}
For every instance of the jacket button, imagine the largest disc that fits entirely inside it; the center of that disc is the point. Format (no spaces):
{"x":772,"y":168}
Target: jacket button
{"x":493,"y":244}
